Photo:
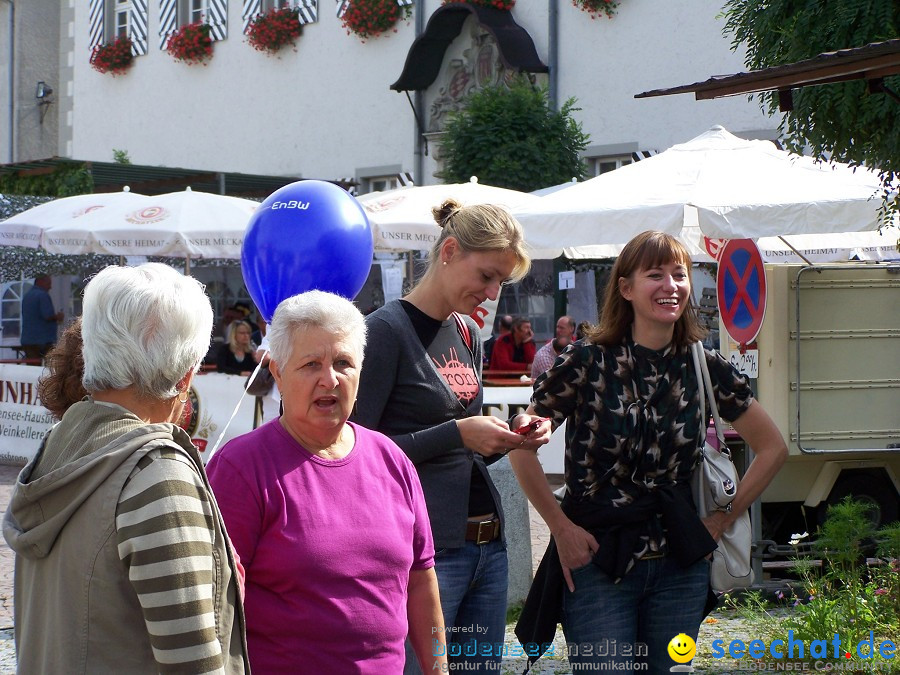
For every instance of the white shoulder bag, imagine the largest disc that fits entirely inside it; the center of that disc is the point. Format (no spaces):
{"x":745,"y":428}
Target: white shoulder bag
{"x":715,"y":483}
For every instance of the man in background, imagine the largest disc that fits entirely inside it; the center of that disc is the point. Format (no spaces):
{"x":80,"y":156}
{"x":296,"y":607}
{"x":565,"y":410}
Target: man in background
{"x":39,"y":319}
{"x":515,"y":350}
{"x":565,"y":327}
{"x":547,"y":354}
{"x":503,"y":328}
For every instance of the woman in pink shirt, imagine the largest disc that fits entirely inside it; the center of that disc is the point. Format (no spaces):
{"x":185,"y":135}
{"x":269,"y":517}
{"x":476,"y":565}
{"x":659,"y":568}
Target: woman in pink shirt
{"x":328,"y":517}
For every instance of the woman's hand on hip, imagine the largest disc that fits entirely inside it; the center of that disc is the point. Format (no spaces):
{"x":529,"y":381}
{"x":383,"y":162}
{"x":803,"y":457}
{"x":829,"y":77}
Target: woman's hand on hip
{"x":576,"y":547}
{"x":488,"y":435}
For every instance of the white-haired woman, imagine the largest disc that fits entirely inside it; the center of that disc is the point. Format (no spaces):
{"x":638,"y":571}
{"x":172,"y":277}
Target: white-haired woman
{"x":328,"y":518}
{"x":422,"y":387}
{"x":122,"y":561}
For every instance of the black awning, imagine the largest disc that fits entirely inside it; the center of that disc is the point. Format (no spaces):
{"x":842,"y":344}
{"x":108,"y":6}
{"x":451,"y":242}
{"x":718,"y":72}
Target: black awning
{"x":517,"y":50}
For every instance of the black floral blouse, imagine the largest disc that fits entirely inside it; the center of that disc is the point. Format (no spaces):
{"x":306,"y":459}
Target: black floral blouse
{"x":633,"y":418}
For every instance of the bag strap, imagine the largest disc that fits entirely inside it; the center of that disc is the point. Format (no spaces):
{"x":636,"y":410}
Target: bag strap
{"x":463,"y":329}
{"x":704,"y":382}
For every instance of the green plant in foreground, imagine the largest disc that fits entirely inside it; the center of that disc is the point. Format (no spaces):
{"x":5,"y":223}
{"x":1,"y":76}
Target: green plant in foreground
{"x":844,"y":596}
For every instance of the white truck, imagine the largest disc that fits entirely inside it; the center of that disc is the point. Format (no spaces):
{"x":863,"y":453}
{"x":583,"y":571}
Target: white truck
{"x":829,"y":375}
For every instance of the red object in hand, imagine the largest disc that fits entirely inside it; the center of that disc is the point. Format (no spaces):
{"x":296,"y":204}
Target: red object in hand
{"x":531,"y":426}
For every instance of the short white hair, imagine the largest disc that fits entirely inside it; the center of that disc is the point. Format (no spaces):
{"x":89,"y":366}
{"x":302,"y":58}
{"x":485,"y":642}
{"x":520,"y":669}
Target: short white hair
{"x":314,"y":309}
{"x":143,"y":327}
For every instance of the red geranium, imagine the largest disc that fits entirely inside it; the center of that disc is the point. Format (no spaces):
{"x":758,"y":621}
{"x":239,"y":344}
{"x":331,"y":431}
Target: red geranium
{"x":597,"y":7}
{"x":275,"y":29}
{"x":191,"y":43}
{"x":497,"y":4}
{"x":113,"y":57}
{"x":369,"y":18}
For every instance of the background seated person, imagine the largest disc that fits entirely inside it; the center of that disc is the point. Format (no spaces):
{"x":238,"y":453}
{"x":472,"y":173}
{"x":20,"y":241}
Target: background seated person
{"x":503,"y":328}
{"x":238,"y":355}
{"x":516,"y":350}
{"x":547,"y":354}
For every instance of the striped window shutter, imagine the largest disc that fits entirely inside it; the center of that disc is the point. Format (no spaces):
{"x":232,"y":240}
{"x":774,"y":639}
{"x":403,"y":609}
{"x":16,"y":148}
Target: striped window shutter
{"x":139,"y":27}
{"x":643,"y":154}
{"x":309,"y":11}
{"x":96,"y":23}
{"x":251,"y":9}
{"x":168,"y":20}
{"x":218,"y":19}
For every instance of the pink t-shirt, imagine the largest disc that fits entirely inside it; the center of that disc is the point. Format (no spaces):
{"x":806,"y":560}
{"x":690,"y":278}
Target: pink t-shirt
{"x":328,"y":547}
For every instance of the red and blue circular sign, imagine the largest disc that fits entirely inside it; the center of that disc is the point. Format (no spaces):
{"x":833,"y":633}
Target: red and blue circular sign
{"x":741,"y":290}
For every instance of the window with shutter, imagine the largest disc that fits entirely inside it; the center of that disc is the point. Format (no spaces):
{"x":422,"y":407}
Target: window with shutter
{"x":176,"y":13}
{"x":110,"y":19}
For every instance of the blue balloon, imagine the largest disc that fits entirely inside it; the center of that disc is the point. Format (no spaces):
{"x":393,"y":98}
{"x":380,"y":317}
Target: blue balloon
{"x":307,"y":235}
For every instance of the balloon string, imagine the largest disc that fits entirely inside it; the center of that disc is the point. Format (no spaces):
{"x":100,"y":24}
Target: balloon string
{"x":234,"y":412}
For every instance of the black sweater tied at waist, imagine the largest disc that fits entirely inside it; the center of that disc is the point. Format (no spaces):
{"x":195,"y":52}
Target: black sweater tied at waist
{"x":617,"y":531}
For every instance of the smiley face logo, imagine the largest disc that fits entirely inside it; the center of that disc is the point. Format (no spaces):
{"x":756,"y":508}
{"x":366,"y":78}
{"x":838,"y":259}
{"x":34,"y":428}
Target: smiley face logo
{"x":682,"y":648}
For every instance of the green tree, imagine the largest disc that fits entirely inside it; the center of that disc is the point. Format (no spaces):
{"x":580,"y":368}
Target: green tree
{"x":840,"y":121}
{"x":510,"y":137}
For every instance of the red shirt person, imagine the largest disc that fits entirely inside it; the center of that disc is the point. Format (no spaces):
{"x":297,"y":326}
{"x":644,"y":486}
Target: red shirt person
{"x":514,"y":351}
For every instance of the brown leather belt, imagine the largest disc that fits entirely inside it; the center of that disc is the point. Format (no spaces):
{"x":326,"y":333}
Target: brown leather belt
{"x":484,"y":531}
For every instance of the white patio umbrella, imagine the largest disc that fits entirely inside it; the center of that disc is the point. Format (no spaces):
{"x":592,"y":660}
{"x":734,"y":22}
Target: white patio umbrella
{"x":184,"y":224}
{"x":401,"y":219}
{"x":731,"y":187}
{"x":26,"y":229}
{"x":800,"y":248}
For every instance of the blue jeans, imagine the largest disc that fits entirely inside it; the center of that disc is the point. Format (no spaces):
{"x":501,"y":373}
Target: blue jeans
{"x":634,"y":620}
{"x":472,"y":580}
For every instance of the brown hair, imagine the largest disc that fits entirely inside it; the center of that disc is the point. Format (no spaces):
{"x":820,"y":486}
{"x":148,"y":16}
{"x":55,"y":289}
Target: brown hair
{"x":61,"y":386}
{"x":645,"y":251}
{"x":481,"y":228}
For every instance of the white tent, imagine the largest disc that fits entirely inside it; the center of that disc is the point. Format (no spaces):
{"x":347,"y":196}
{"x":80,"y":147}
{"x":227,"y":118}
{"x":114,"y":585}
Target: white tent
{"x":730,"y":187}
{"x":401,"y":219}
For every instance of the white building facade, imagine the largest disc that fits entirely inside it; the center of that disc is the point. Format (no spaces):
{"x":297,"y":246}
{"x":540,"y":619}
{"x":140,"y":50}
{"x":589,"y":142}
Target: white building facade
{"x":325,"y":109}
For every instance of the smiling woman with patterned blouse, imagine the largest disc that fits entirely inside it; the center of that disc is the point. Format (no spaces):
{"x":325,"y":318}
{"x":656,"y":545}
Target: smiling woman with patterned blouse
{"x":627,"y":563}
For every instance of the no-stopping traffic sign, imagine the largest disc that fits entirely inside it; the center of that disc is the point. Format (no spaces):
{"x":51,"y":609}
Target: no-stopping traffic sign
{"x":741,"y":290}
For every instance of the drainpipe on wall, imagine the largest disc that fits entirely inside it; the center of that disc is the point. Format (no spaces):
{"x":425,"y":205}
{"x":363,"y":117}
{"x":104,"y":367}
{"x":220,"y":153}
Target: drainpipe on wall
{"x":12,"y":81}
{"x":419,"y":98}
{"x":552,"y":49}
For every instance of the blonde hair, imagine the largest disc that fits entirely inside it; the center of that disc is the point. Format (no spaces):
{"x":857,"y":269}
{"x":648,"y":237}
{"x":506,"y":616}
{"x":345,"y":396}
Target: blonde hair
{"x":481,"y":228}
{"x":232,"y":337}
{"x":645,"y":251}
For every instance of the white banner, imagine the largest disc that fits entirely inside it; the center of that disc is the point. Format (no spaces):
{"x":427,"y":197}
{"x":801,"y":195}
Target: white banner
{"x":24,"y":421}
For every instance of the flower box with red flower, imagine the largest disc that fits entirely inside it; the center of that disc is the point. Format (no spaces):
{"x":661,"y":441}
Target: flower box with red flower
{"x":370,"y":18}
{"x":191,"y":43}
{"x":113,"y":57}
{"x":275,"y":29}
{"x":496,"y":4}
{"x":596,"y":8}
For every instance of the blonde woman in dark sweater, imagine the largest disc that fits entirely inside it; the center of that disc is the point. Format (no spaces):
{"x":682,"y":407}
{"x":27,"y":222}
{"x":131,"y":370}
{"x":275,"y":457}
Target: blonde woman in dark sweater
{"x":421,"y":386}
